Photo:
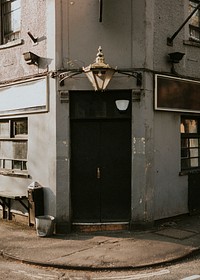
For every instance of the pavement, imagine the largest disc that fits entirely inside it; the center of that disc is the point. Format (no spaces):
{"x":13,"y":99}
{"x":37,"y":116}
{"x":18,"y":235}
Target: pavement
{"x":168,"y":241}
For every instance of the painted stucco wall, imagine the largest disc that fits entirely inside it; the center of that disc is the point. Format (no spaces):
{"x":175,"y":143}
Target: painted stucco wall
{"x":12,"y":60}
{"x":38,"y":18}
{"x":171,"y":189}
{"x":126,"y":37}
{"x":133,"y":34}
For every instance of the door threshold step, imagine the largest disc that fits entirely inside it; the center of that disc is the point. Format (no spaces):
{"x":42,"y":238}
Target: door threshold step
{"x":94,"y":227}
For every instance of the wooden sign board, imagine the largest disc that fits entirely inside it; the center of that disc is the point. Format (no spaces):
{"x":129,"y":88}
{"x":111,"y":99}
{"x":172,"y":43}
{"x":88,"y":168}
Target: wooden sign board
{"x":176,"y":94}
{"x":24,"y":97}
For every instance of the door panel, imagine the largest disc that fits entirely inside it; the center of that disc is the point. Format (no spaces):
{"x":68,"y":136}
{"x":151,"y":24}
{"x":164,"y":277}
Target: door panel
{"x":100,"y":141}
{"x":104,"y":145}
{"x":116,"y":170}
{"x":84,"y":161}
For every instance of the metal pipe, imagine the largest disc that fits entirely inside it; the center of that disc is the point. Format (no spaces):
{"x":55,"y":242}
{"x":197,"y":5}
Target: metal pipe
{"x":170,"y":39}
{"x":100,"y":10}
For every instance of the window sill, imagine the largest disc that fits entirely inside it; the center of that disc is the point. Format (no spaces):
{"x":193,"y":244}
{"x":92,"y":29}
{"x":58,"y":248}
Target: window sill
{"x":13,"y":139}
{"x":192,"y":43}
{"x":13,"y":173}
{"x":12,"y":44}
{"x":187,"y":172}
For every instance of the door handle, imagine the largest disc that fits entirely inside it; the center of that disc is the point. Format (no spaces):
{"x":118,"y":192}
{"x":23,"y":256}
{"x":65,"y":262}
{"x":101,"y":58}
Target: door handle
{"x":98,"y":173}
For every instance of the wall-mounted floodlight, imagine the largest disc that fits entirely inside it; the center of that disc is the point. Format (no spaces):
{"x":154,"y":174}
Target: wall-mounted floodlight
{"x":31,"y":58}
{"x":174,"y":58}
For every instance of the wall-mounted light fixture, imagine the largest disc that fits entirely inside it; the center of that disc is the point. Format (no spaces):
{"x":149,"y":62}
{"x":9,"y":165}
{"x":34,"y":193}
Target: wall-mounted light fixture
{"x":174,"y":58}
{"x":122,"y":104}
{"x":99,"y":73}
{"x":31,"y":58}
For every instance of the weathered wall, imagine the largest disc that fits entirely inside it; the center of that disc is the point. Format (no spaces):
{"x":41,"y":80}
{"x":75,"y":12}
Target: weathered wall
{"x":171,"y":190}
{"x":133,"y":34}
{"x":38,"y":18}
{"x":12,"y":60}
{"x":126,"y":36}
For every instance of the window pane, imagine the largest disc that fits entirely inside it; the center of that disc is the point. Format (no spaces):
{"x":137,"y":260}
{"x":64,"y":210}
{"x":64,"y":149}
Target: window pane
{"x":20,"y":165}
{"x":13,"y":152}
{"x":1,"y":163}
{"x":4,"y":129}
{"x":19,"y":150}
{"x":19,"y":128}
{"x":15,"y":21}
{"x":11,"y":19}
{"x":8,"y":164}
{"x":195,"y":18}
{"x":194,"y":152}
{"x":194,"y":162}
{"x":194,"y":33}
{"x":6,"y":149}
{"x":188,"y":126}
{"x":190,"y":139}
{"x":15,"y":5}
{"x":185,"y":164}
{"x":194,"y":22}
{"x":194,"y":143}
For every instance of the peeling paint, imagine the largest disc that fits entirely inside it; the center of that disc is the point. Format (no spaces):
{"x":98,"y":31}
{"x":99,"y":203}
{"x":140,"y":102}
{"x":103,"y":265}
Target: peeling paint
{"x":139,"y":145}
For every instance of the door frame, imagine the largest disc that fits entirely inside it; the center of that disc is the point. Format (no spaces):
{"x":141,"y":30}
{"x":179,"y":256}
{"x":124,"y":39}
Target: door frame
{"x":130,"y":118}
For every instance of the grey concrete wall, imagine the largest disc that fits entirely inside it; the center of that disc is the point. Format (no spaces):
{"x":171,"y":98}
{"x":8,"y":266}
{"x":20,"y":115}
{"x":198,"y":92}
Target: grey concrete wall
{"x":171,"y":190}
{"x":126,"y":36}
{"x":133,"y":34}
{"x":82,"y":33}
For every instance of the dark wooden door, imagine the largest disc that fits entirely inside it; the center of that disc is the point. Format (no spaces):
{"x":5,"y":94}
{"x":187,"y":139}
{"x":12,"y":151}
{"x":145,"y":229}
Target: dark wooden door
{"x":115,"y":168}
{"x":85,"y":191}
{"x":101,"y":169}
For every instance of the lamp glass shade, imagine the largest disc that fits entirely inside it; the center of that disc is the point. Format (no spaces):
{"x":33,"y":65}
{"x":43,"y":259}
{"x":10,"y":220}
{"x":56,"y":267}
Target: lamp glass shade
{"x":100,"y":77}
{"x":122,"y":105}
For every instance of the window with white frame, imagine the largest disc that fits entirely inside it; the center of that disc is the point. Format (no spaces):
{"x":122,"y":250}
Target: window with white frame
{"x":190,"y":143}
{"x":10,"y":20}
{"x":194,"y":23}
{"x":13,"y":145}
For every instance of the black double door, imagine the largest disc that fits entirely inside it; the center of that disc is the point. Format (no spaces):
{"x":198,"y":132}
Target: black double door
{"x":100,"y":164}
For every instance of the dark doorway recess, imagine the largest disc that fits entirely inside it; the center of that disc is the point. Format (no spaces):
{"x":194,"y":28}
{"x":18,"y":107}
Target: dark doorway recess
{"x":194,"y":193}
{"x":100,"y":157}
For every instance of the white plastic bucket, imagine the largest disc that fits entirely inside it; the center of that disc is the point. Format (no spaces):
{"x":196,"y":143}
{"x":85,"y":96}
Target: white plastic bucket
{"x":44,"y":225}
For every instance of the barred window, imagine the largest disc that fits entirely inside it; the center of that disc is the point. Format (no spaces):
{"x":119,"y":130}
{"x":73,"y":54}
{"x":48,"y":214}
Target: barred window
{"x":194,"y":24}
{"x":190,"y":143}
{"x":11,"y":20}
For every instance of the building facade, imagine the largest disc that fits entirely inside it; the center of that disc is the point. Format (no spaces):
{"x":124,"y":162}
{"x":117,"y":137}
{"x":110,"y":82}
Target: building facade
{"x":97,"y":164}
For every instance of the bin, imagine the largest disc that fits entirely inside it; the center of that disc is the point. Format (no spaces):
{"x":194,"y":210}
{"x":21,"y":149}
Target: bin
{"x":44,"y":225}
{"x":35,"y":202}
